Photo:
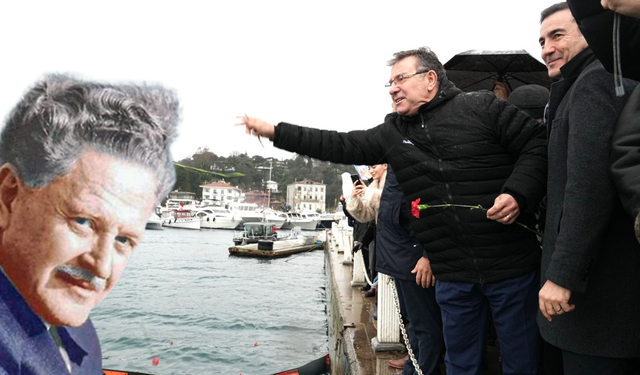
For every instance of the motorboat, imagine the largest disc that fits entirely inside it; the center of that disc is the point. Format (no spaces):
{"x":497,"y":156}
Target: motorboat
{"x":154,"y":222}
{"x":255,"y":232}
{"x":326,"y":220}
{"x":213,"y":217}
{"x":314,"y":216}
{"x":248,"y":211}
{"x":295,"y":219}
{"x":270,"y":216}
{"x":184,"y":219}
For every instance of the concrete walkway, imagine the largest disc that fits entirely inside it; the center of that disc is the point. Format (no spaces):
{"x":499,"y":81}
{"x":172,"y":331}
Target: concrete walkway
{"x":351,"y":325}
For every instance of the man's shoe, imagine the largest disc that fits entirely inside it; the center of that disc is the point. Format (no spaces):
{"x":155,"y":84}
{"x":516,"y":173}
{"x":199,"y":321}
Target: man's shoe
{"x":370,"y":293}
{"x":398,"y":363}
{"x":365,"y":288}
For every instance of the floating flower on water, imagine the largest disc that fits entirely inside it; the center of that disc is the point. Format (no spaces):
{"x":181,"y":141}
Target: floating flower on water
{"x":155,"y":361}
{"x":255,"y":343}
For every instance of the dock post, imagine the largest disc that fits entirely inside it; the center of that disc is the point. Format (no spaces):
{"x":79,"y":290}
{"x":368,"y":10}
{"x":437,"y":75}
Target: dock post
{"x":388,"y":335}
{"x":357,"y":279}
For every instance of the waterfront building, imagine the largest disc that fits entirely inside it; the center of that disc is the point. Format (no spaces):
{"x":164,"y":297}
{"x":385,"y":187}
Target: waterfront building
{"x":220,"y":192}
{"x":307,"y":195}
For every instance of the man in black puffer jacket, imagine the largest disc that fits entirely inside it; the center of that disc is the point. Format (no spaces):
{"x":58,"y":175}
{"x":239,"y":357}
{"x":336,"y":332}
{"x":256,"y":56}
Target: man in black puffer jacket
{"x":447,"y":146}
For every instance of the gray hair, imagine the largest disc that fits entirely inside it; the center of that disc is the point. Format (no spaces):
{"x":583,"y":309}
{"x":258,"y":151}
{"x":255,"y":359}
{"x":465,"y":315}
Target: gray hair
{"x":427,"y":59}
{"x":553,"y":9}
{"x":62,"y":117}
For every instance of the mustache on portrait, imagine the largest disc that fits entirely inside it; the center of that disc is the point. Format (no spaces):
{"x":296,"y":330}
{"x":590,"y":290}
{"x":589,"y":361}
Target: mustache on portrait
{"x":80,"y":273}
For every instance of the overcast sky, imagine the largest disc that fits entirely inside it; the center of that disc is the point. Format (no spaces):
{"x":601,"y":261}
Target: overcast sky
{"x":314,"y":63}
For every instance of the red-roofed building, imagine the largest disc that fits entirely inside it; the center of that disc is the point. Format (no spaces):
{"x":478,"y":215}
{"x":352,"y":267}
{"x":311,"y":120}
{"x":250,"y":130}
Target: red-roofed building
{"x":220,"y":192}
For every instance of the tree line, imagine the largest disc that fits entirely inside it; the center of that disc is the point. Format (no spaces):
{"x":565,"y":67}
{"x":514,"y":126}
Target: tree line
{"x":252,"y":172}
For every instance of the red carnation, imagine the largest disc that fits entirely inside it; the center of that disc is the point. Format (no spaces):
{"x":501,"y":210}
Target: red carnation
{"x":415,"y":208}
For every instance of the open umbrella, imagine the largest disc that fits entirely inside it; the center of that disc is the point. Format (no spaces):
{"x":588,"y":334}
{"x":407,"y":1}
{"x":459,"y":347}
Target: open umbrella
{"x":477,"y":70}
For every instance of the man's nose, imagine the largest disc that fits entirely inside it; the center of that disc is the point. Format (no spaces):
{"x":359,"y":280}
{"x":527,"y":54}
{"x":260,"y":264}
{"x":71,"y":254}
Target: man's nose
{"x":100,"y":258}
{"x":547,"y":50}
{"x":393,"y":89}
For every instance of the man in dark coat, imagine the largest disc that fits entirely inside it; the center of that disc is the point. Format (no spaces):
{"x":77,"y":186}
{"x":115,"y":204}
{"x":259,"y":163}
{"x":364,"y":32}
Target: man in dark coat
{"x":400,"y":256}
{"x":589,"y":298}
{"x":597,"y":25}
{"x":460,"y":148}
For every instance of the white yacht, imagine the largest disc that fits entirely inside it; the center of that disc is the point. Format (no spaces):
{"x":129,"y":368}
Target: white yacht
{"x":314,"y":216}
{"x":184,"y":219}
{"x":248,"y":211}
{"x":154,"y":222}
{"x":214,"y":217}
{"x":274,"y":217}
{"x":294,"y":219}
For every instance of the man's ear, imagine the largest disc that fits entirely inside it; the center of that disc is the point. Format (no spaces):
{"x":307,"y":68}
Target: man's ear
{"x":9,"y":186}
{"x":432,"y":80}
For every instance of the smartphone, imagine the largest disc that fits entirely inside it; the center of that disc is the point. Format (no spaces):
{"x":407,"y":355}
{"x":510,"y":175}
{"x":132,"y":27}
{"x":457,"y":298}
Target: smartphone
{"x":355,"y":178}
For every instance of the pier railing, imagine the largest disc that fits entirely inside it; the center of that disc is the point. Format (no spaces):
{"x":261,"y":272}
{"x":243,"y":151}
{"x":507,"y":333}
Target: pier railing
{"x":388,"y":324}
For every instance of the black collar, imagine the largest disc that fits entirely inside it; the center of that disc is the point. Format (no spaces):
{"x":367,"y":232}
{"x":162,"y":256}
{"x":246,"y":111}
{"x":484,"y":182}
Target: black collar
{"x":578,"y":63}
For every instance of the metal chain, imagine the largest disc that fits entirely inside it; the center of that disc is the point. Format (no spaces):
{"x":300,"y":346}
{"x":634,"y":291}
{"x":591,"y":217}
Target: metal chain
{"x":364,"y":271}
{"x":396,"y":303}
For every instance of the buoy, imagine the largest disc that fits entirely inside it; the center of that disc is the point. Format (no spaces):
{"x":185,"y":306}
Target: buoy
{"x":155,"y":361}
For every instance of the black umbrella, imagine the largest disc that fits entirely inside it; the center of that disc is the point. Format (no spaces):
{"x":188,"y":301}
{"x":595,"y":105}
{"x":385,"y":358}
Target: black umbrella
{"x":477,"y":70}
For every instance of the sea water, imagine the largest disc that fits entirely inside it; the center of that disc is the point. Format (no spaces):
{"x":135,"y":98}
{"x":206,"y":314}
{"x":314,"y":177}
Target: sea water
{"x":184,"y":300}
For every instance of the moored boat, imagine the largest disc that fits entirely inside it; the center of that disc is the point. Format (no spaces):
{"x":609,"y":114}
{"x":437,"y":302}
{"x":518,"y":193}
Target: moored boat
{"x":184,"y":219}
{"x":217,"y":218}
{"x":255,"y":232}
{"x":295,"y":219}
{"x":248,"y":211}
{"x":277,"y":218}
{"x":154,"y":222}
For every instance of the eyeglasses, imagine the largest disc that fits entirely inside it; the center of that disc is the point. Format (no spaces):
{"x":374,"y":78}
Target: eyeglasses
{"x":402,"y":77}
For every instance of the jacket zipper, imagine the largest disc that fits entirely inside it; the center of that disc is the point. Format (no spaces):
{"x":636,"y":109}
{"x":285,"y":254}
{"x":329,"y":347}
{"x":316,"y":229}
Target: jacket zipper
{"x":450,"y":196}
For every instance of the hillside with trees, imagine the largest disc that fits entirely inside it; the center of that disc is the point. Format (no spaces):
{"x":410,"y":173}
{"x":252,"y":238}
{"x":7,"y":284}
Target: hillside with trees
{"x":252,"y":172}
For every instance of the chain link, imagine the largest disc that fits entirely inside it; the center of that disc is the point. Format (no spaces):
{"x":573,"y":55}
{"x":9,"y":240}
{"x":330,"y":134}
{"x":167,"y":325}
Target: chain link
{"x":402,"y":329}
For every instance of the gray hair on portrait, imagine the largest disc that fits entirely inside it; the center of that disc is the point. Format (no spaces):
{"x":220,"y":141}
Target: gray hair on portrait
{"x":426,"y":58}
{"x":61,"y":117}
{"x":553,"y":9}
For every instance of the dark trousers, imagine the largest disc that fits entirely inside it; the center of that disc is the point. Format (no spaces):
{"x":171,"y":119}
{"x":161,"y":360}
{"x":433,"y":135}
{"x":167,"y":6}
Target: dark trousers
{"x":578,"y":364}
{"x":513,"y":304}
{"x":425,"y":327}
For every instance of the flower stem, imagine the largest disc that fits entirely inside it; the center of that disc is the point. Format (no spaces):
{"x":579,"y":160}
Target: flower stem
{"x":478,"y":207}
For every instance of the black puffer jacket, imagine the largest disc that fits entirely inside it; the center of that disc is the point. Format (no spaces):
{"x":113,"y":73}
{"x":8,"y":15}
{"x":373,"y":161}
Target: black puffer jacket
{"x":463,"y":148}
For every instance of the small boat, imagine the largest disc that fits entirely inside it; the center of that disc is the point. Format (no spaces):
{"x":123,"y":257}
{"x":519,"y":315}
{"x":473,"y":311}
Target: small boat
{"x":118,"y":372}
{"x":254,"y":232}
{"x":277,"y":218}
{"x":318,"y":366}
{"x":275,"y":248}
{"x":295,"y":219}
{"x":217,"y":218}
{"x":184,"y":219}
{"x":154,"y":222}
{"x":326,"y":220}
{"x":248,"y":211}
